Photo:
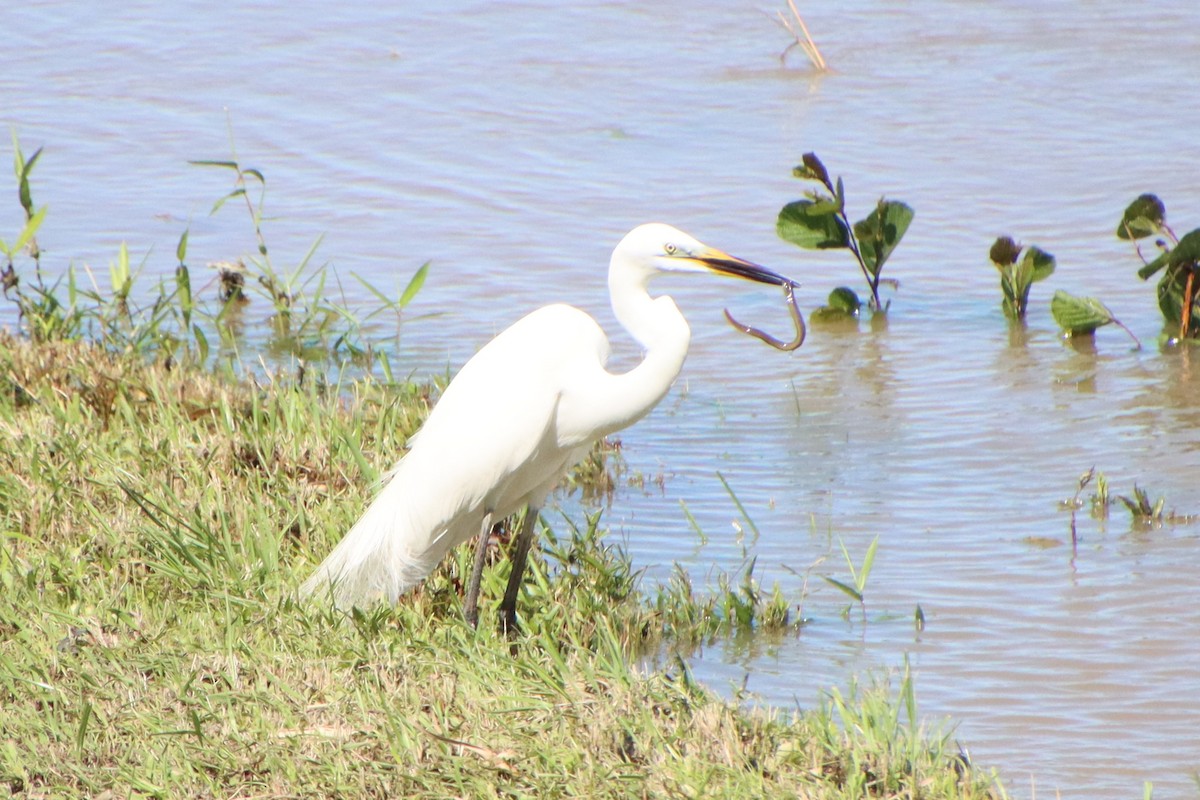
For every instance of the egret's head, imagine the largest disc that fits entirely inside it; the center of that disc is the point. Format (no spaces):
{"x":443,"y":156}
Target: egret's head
{"x":655,"y":247}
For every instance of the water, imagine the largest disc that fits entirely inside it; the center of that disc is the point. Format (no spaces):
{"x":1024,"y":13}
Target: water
{"x":514,"y":143}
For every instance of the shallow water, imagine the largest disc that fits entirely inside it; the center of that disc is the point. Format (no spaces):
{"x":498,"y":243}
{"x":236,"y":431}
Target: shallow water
{"x":514,"y":143}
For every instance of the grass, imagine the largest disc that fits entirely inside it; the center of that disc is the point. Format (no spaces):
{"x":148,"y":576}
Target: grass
{"x":155,"y":518}
{"x":160,"y":500}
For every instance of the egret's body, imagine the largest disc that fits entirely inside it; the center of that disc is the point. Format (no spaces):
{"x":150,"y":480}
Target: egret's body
{"x":520,"y":413}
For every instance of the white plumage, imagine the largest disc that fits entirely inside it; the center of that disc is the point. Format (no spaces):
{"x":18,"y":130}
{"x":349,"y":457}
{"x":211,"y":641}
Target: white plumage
{"x":520,"y":413}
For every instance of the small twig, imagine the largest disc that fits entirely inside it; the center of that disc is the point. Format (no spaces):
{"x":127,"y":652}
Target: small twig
{"x":810,"y":47}
{"x":500,"y":759}
{"x":1132,"y":335}
{"x":803,"y":39}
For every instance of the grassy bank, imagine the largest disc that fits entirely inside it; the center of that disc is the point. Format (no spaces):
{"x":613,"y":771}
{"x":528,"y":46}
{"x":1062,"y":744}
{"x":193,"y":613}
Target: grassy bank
{"x":154,"y":522}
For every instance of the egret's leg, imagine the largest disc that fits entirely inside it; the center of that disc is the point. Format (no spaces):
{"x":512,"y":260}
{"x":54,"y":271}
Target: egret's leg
{"x":508,"y":606}
{"x":471,"y":603}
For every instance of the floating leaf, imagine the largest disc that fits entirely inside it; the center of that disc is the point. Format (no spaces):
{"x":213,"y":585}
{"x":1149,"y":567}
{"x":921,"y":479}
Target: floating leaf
{"x":1078,"y":316}
{"x":806,"y":224}
{"x":881,"y":231}
{"x":1145,"y":216}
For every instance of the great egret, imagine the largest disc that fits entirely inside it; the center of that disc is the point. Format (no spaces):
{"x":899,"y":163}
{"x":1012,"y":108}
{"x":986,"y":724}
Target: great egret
{"x":522,"y":411}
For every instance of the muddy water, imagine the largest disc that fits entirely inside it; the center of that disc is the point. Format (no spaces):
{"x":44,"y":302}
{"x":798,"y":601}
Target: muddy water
{"x":513,"y":144}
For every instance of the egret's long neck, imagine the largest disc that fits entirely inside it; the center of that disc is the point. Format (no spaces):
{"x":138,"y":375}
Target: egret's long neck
{"x":660,"y":329}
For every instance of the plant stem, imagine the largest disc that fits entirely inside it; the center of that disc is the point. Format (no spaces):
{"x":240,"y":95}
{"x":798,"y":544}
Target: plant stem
{"x":1185,"y":318}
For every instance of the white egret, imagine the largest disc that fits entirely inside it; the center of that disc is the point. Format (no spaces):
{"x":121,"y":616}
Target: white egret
{"x":521,"y":412}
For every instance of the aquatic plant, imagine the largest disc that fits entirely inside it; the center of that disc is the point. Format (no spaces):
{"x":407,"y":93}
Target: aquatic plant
{"x":819,"y":222}
{"x":1152,"y":514}
{"x":167,"y":319}
{"x":1081,"y":316}
{"x":1179,"y":288}
{"x":856,"y":589}
{"x":1018,"y":272}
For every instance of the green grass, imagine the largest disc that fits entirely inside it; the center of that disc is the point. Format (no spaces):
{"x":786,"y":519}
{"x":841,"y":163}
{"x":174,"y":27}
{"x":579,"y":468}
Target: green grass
{"x":154,"y":521}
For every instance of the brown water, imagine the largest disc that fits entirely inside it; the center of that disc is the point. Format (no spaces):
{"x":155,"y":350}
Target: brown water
{"x":513,"y":144}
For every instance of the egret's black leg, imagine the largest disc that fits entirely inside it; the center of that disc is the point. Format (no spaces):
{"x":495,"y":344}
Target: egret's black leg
{"x":471,"y":602}
{"x":508,"y":606}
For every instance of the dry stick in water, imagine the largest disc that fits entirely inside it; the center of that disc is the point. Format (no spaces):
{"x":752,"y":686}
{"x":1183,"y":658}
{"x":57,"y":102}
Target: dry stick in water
{"x":805,"y":41}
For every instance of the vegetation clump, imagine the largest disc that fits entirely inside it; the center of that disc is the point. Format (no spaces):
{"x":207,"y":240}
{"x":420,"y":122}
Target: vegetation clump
{"x":1179,"y":288}
{"x":820,"y":222}
{"x":1019,"y":272}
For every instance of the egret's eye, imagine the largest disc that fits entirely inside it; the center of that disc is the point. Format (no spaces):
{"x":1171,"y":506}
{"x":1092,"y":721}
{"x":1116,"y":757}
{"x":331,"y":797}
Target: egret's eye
{"x":669,"y":249}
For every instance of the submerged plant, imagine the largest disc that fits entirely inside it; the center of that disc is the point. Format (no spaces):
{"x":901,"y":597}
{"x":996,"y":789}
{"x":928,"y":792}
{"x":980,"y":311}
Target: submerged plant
{"x":1019,"y":272}
{"x":1179,"y":287}
{"x":819,"y":222}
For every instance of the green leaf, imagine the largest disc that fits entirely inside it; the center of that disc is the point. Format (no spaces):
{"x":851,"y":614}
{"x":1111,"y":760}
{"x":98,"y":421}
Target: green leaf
{"x":201,"y":343}
{"x":27,"y":167}
{"x":217,"y":205}
{"x":1172,"y":291}
{"x":414,"y":285}
{"x":31,"y":227}
{"x":805,"y":224}
{"x":868,"y":562}
{"x":23,"y":191}
{"x":119,"y":272}
{"x":183,"y":284}
{"x":18,"y":157}
{"x":233,"y":165}
{"x":845,"y":300}
{"x":1078,"y":316}
{"x":1145,"y":216}
{"x":881,"y":231}
{"x":850,"y":590}
{"x":181,"y":248}
{"x":1041,"y":264}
